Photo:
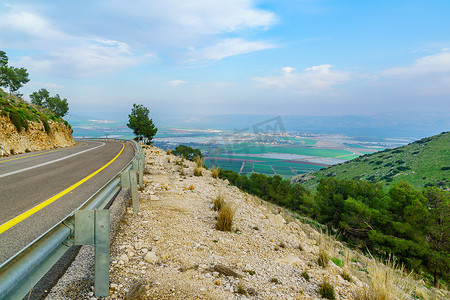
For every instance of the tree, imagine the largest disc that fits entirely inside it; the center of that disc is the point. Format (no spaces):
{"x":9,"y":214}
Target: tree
{"x":58,"y":106}
{"x":187,"y":152}
{"x":139,"y":121}
{"x":11,"y":77}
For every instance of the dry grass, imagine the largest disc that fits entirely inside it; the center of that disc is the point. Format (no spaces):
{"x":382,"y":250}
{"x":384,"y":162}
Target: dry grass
{"x":326,"y":245}
{"x":198,"y":171}
{"x":199,"y":161}
{"x":181,"y":171}
{"x":326,"y":290}
{"x":385,"y":282}
{"x":215,"y":171}
{"x":218,"y":202}
{"x":168,"y":151}
{"x":225,"y":217}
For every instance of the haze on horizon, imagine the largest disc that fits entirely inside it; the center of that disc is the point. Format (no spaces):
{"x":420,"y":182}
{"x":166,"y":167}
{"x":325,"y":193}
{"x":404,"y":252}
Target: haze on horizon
{"x":200,"y":57}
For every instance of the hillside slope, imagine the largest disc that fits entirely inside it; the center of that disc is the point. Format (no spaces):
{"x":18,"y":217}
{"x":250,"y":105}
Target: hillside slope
{"x":425,"y":162}
{"x":25,"y":127}
{"x":171,"y":249}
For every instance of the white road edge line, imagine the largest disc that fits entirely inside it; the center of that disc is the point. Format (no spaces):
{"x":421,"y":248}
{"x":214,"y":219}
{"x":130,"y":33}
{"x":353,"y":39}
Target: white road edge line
{"x":49,"y":162}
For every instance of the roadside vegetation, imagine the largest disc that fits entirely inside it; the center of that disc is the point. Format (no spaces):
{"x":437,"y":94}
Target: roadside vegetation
{"x":42,"y":108}
{"x":413,"y":225}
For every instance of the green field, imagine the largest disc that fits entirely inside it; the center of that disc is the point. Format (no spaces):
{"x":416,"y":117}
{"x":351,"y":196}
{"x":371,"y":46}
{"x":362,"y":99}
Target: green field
{"x":423,"y":163}
{"x":310,"y":151}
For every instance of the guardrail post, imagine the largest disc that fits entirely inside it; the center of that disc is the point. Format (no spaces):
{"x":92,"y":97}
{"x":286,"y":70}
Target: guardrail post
{"x":92,"y":228}
{"x":125,"y":179}
{"x":141,"y":169}
{"x":102,"y":227}
{"x":134,"y":191}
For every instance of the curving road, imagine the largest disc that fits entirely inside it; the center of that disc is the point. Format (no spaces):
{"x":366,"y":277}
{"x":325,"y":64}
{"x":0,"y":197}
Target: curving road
{"x":30,"y":179}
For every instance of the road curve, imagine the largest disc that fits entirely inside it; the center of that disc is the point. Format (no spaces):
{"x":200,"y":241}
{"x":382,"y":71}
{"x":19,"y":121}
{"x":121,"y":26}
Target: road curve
{"x":30,"y":179}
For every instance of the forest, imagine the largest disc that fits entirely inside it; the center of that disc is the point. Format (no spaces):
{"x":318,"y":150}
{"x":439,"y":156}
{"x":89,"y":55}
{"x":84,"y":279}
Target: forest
{"x":409,"y":224}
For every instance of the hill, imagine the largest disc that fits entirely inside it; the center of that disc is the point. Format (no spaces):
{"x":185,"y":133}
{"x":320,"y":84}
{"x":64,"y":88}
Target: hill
{"x":25,"y":127}
{"x":423,"y":163}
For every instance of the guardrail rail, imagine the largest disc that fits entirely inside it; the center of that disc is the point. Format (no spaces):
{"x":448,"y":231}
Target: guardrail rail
{"x":87,"y":225}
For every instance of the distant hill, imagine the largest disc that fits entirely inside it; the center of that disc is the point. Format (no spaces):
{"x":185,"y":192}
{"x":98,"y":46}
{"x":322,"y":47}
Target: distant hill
{"x":425,"y":162}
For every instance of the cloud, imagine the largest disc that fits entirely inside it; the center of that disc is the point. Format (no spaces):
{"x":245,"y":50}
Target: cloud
{"x":427,"y":75}
{"x":47,"y":85}
{"x":85,"y":58}
{"x":177,"y":82}
{"x":227,"y":48}
{"x":313,"y":80}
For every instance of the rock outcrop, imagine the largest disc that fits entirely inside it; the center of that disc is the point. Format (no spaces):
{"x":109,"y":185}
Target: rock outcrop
{"x":33,"y":139}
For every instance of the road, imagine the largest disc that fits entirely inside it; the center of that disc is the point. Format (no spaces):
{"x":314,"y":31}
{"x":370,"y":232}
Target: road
{"x":39,"y":189}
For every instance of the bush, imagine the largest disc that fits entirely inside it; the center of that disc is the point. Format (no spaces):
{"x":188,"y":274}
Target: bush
{"x":187,"y":152}
{"x":16,"y":120}
{"x":225,"y":217}
{"x":46,"y":126}
{"x":305,"y":275}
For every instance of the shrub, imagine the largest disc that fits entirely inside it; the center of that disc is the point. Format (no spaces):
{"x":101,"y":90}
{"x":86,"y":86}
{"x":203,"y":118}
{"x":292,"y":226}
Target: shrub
{"x":27,"y":150}
{"x":275,"y":280}
{"x":46,"y":126}
{"x":218,"y":202}
{"x":16,"y":120}
{"x":225,"y":217}
{"x":326,"y":290}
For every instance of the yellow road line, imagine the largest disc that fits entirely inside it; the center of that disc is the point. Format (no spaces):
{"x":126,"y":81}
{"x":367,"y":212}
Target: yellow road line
{"x":37,"y":208}
{"x":37,"y":154}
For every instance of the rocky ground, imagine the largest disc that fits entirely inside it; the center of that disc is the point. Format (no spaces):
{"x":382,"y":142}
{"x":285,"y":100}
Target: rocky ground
{"x":171,"y":249}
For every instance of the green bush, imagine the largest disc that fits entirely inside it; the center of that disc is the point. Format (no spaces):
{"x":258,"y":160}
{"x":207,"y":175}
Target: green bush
{"x":16,"y":120}
{"x":46,"y":126}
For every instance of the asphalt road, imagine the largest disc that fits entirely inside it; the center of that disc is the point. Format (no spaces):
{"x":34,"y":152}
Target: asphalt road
{"x":29,"y":179}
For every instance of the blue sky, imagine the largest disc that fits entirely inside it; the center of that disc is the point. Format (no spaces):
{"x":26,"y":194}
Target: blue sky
{"x":296,"y":57}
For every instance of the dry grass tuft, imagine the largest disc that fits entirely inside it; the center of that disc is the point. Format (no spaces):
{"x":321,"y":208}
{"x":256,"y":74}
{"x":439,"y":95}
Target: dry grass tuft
{"x":215,"y":171}
{"x":198,"y":171}
{"x":326,"y":244}
{"x":199,"y":161}
{"x":181,"y":171}
{"x":225,"y":217}
{"x":138,"y":291}
{"x":326,"y":290}
{"x":385,"y":282}
{"x":218,"y":202}
{"x":168,"y":151}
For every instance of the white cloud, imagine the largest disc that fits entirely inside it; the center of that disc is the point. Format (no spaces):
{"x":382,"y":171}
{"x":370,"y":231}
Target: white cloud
{"x":288,"y":69}
{"x":313,"y":80}
{"x":227,"y":48}
{"x":427,"y":75}
{"x":177,"y":82}
{"x":85,"y":58}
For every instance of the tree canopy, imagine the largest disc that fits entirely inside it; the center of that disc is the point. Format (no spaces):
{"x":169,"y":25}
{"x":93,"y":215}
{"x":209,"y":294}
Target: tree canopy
{"x":412,"y":225}
{"x":141,"y":124}
{"x":11,"y":77}
{"x":58,"y":106}
{"x":187,"y":152}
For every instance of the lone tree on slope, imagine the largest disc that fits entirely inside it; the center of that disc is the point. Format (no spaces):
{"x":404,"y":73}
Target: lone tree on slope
{"x":139,"y":121}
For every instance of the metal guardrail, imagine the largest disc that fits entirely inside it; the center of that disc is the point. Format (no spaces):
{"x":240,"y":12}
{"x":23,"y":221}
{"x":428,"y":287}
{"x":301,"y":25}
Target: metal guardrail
{"x":20,"y":273}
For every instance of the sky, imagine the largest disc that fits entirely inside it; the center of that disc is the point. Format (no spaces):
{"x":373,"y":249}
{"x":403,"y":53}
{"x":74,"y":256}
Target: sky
{"x":206,"y":57}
